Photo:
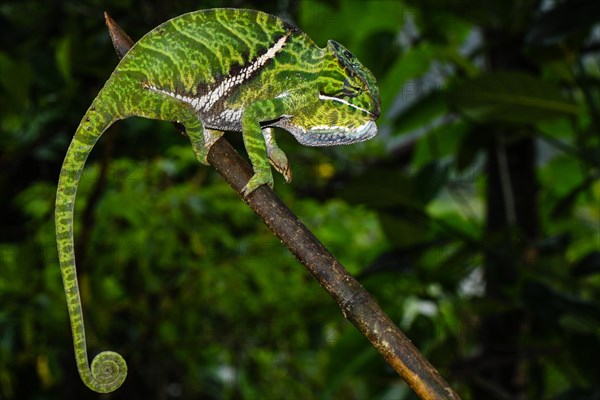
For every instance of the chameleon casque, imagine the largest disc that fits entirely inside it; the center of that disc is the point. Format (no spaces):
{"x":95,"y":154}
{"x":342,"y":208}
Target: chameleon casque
{"x":213,"y":71}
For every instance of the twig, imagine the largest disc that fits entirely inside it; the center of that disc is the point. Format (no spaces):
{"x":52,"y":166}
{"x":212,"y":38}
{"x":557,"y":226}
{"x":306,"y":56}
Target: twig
{"x":356,"y":303}
{"x":505,"y":181}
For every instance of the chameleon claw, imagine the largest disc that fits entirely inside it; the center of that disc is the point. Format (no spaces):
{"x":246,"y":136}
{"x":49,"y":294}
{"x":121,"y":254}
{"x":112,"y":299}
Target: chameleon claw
{"x":279,"y":161}
{"x":287,"y":174}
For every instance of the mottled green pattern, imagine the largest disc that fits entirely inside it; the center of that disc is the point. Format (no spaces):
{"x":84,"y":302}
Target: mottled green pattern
{"x":211,"y":71}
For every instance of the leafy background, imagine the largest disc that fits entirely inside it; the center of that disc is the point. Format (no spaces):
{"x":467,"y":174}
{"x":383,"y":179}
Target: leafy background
{"x":473,"y":217}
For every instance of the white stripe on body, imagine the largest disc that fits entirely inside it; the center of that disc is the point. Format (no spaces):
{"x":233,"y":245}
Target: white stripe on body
{"x":205,"y":103}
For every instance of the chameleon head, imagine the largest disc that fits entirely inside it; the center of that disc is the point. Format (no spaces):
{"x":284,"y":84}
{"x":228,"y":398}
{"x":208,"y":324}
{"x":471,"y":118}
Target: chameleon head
{"x":348,"y":105}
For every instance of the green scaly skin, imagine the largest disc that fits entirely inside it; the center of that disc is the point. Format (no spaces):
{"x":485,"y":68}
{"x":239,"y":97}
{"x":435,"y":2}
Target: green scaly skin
{"x":213,"y":71}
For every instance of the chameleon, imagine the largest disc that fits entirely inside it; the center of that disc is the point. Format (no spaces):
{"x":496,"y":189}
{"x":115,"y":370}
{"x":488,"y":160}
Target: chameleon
{"x":212,"y":71}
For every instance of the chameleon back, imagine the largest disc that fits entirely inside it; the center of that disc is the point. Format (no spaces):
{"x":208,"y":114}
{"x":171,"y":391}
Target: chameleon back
{"x":194,"y":54}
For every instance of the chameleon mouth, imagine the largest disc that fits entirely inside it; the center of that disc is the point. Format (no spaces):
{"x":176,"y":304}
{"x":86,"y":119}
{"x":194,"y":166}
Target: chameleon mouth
{"x":335,"y":135}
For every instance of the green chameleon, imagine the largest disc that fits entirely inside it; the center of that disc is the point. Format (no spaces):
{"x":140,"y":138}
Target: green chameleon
{"x":213,"y":71}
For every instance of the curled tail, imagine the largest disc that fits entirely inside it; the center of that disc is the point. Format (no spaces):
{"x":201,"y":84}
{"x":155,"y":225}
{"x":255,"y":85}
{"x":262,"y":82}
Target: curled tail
{"x":108,"y":370}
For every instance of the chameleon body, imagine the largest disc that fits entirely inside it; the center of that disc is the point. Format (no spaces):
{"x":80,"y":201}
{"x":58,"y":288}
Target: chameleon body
{"x":213,"y":71}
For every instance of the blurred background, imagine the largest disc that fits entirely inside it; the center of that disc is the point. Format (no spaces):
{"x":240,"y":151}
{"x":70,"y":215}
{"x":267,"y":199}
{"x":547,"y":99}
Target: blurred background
{"x":473,"y":217}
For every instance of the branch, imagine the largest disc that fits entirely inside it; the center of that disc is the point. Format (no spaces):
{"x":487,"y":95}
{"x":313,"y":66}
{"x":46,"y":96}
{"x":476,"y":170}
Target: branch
{"x":356,"y":303}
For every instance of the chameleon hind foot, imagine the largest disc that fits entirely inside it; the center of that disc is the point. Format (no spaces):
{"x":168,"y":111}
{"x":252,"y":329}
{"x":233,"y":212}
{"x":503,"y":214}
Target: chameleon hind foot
{"x":209,"y":137}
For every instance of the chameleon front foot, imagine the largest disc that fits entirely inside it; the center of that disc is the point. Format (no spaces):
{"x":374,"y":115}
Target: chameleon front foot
{"x":257,"y":180}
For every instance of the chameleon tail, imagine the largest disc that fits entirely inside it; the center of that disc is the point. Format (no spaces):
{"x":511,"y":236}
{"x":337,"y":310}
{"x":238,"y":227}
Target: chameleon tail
{"x":108,"y":369}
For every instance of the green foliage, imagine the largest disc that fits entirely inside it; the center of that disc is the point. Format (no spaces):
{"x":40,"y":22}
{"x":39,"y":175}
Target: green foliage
{"x":511,"y":97}
{"x":180,"y":277}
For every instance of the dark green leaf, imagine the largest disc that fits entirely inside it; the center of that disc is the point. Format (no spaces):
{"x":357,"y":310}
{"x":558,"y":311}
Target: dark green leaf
{"x":339,"y":372}
{"x":579,"y":394}
{"x":441,"y":142}
{"x":472,"y":143}
{"x":380,"y":188}
{"x":429,"y":180}
{"x":588,"y":265}
{"x":565,"y":204}
{"x":421,"y":113}
{"x":15,"y":79}
{"x":554,"y":303}
{"x":510,"y":97}
{"x":507,"y":15}
{"x":63,"y":57}
{"x":565,"y":19}
{"x":400,"y":259}
{"x":403,"y":228}
{"x":413,"y":64}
